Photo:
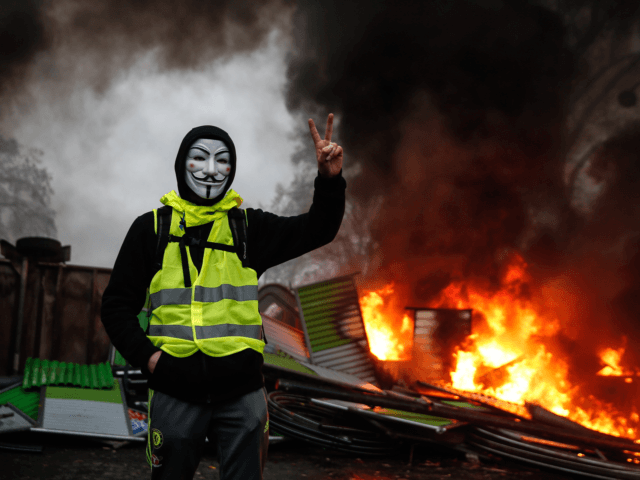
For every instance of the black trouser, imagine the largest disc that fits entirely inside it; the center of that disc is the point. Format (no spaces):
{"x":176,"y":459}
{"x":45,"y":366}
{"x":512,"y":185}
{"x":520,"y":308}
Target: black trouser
{"x":177,"y":431}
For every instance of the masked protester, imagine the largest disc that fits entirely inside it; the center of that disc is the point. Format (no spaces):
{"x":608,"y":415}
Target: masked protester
{"x":200,"y":257}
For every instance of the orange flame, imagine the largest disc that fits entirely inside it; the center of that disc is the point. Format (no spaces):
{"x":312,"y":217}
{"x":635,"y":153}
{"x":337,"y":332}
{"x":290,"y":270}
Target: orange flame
{"x":387,"y":339}
{"x":611,"y":359}
{"x":510,"y":355}
{"x":509,"y":358}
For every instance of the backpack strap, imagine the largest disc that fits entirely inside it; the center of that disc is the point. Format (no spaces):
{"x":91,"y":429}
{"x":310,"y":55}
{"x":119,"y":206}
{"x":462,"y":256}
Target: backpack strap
{"x":163,"y":226}
{"x":238,"y":225}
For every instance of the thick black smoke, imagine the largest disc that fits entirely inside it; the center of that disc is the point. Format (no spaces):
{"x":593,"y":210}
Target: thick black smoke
{"x":456,"y":112}
{"x":23,"y":34}
{"x":475,"y":61}
{"x":491,"y":73}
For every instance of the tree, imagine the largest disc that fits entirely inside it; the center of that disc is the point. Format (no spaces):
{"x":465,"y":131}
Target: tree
{"x":25,"y":193}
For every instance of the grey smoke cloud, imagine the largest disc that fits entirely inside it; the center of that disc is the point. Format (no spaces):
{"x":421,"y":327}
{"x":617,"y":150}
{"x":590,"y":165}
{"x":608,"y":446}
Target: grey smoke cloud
{"x":111,"y":154}
{"x":107,"y":90}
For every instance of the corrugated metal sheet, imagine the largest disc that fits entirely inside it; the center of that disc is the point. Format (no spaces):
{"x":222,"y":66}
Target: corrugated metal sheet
{"x":436,"y":333}
{"x":350,"y":358}
{"x":286,"y":338}
{"x":331,"y":313}
{"x":61,"y":314}
{"x":334,"y":329}
{"x":44,"y":372}
{"x":27,"y":402}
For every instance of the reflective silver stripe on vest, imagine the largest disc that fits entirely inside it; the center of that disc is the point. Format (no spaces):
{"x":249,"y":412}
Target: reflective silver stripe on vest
{"x":229,"y":330}
{"x":175,"y":331}
{"x":170,"y":296}
{"x":210,"y":331}
{"x":226,"y":292}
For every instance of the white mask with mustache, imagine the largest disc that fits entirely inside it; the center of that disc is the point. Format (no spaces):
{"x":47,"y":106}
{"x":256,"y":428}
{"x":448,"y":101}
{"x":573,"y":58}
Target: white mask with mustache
{"x":208,"y":166}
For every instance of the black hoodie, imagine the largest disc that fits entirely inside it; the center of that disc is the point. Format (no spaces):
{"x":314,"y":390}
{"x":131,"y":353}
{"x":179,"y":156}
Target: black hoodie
{"x":271,"y":240}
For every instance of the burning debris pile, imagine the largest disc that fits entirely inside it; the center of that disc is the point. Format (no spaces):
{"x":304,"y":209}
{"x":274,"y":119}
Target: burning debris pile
{"x":515,"y":353}
{"x":507,"y":390}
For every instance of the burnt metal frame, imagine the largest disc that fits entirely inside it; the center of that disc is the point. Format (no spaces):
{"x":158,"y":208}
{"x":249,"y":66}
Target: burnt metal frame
{"x":417,"y":309}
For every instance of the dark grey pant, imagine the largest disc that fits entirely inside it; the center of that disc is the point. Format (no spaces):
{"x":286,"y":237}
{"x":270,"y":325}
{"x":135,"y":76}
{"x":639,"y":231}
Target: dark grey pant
{"x":177,"y":431}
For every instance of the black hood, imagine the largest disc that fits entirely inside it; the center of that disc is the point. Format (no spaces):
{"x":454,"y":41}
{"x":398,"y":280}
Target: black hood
{"x":205,"y":131}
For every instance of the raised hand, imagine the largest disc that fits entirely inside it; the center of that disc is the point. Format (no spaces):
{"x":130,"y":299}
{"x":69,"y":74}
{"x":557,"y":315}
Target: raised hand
{"x":329,"y":154}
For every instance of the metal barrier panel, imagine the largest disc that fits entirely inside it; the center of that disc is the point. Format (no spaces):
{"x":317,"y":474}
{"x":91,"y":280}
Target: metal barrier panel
{"x":333,"y":326}
{"x":61,"y":316}
{"x":9,"y":288}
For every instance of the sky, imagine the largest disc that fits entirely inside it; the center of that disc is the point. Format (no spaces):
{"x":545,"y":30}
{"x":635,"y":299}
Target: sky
{"x":111,"y":154}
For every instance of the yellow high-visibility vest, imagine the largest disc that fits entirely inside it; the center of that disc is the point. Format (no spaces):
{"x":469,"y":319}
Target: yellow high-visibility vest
{"x":218,"y":314}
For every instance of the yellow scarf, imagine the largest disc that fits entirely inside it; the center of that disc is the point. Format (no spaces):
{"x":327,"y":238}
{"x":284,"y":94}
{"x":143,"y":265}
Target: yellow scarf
{"x":200,"y":214}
